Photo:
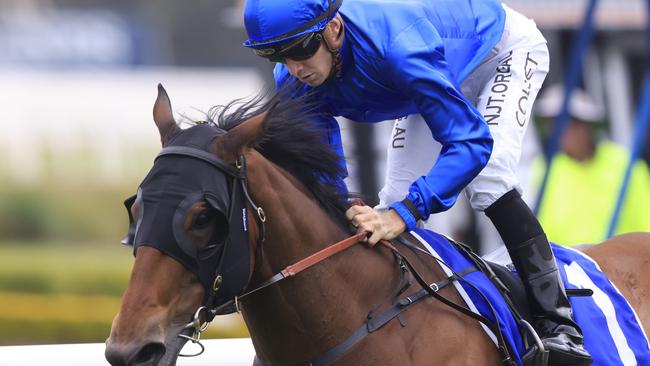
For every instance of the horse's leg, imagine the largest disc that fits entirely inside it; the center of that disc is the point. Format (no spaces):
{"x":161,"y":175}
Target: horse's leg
{"x":624,"y":259}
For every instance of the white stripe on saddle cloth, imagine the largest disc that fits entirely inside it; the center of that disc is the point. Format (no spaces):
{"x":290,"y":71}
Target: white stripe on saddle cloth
{"x":457,"y":285}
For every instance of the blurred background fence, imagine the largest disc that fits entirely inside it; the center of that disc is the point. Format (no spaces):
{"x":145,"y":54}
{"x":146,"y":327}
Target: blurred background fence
{"x":77,"y":84}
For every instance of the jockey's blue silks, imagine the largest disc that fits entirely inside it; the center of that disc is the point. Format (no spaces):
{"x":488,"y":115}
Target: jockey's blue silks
{"x":413,"y":62}
{"x":164,"y":198}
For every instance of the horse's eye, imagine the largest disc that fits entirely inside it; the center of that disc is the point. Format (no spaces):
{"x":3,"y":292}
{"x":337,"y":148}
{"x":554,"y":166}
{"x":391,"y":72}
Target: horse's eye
{"x":203,"y":219}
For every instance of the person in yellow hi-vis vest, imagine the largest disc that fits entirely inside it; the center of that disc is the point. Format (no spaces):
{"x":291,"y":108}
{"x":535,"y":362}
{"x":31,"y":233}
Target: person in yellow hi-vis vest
{"x":586,"y":176}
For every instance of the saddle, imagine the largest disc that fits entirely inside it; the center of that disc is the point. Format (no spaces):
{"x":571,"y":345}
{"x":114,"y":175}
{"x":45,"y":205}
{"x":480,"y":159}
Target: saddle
{"x":512,"y":289}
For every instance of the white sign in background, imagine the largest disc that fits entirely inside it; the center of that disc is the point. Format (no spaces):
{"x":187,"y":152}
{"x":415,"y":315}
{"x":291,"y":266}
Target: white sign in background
{"x":92,"y":125}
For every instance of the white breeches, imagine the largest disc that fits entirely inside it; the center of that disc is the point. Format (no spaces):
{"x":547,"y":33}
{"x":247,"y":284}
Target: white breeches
{"x":503,"y":89}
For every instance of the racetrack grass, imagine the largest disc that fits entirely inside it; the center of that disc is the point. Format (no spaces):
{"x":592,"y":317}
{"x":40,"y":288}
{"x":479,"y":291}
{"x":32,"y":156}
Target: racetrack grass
{"x":69,"y":294}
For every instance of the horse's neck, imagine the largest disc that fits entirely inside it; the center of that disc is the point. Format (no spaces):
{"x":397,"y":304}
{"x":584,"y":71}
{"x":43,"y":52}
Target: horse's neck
{"x":296,"y":224}
{"x":313,"y":310}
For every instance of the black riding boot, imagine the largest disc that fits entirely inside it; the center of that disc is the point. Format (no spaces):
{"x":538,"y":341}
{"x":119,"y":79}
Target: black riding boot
{"x":532,"y":256}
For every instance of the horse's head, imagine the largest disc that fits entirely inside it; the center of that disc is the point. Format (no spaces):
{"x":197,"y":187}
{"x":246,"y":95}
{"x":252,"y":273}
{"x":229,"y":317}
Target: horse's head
{"x":189,"y":230}
{"x":196,"y":231}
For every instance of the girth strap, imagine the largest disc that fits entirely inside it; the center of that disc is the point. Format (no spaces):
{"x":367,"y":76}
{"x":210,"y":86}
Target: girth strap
{"x":502,"y":345}
{"x":495,"y":327}
{"x":376,"y":323}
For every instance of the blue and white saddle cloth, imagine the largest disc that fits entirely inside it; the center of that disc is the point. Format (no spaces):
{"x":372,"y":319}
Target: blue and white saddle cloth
{"x":612,"y":330}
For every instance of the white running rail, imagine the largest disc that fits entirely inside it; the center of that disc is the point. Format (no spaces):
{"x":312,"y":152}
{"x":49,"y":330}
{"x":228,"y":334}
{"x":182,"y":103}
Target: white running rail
{"x":218,"y":352}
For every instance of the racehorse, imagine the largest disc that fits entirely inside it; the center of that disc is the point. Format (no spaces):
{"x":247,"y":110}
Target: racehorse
{"x":272,"y":169}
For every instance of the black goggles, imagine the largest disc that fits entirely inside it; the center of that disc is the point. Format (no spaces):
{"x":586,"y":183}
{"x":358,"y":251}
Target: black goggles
{"x":300,"y":49}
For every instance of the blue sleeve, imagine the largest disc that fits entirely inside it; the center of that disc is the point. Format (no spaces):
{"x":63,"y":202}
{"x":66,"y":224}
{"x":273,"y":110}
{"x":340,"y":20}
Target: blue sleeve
{"x":419,"y":70}
{"x":323,"y":120}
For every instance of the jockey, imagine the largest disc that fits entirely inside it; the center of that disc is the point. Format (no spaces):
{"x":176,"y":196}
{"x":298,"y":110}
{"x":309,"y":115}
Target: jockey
{"x":462,"y":72}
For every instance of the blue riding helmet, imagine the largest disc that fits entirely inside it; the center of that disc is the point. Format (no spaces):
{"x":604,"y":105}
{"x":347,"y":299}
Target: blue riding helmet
{"x":272,"y":23}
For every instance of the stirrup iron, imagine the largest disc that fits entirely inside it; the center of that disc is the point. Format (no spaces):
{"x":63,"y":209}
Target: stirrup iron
{"x":537,"y":355}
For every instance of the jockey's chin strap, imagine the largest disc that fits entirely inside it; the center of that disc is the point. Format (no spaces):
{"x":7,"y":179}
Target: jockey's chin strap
{"x":337,"y":59}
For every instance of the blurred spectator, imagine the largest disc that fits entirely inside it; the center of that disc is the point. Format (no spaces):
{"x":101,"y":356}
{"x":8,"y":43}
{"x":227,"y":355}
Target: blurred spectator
{"x":586,"y":176}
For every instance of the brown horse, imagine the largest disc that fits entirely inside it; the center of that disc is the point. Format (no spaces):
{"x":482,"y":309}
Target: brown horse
{"x":304,"y":316}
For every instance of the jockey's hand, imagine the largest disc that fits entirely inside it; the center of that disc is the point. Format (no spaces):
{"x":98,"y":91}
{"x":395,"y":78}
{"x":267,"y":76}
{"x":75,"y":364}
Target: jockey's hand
{"x":382,"y":225}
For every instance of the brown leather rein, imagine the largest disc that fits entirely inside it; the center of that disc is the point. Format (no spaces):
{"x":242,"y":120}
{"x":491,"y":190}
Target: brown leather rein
{"x":310,"y":261}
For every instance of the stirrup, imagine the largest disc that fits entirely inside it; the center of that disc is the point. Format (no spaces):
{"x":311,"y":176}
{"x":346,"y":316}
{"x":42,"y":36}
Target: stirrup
{"x":537,"y":355}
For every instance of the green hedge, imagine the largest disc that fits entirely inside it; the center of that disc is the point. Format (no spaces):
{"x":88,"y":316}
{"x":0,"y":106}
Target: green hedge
{"x":30,"y":214}
{"x":92,"y":269}
{"x":55,"y":293}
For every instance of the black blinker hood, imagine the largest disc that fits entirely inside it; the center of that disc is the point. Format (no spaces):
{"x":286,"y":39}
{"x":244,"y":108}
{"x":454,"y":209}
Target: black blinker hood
{"x":186,"y":172}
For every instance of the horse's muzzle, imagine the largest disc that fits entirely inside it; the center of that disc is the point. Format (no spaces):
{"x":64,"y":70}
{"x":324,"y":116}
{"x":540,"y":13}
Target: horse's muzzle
{"x":147,"y":354}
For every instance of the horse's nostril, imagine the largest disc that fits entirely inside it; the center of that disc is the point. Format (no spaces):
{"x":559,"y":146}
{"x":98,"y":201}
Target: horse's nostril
{"x":150,"y":354}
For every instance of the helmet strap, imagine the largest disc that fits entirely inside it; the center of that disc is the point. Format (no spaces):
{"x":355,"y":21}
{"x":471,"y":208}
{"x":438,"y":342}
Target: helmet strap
{"x":337,"y":60}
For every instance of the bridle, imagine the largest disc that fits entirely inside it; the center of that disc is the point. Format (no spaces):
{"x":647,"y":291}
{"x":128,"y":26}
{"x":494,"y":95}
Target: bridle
{"x":225,"y":272}
{"x":238,"y":174}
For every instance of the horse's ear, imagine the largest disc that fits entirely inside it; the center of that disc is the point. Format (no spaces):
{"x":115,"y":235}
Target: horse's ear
{"x":230,"y":145}
{"x":163,"y":116}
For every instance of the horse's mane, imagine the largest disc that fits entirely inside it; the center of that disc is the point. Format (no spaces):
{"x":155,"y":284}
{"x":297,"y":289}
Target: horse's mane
{"x":291,"y":139}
